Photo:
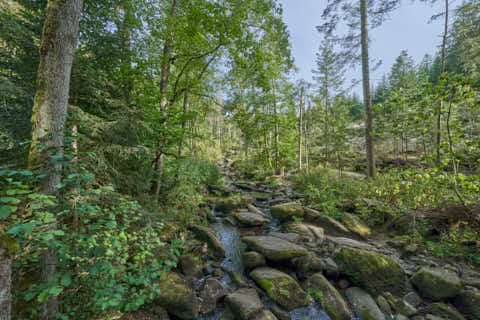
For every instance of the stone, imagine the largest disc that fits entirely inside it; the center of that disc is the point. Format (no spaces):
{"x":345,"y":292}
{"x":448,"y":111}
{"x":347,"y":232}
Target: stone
{"x":328,"y":224}
{"x":292,"y":237}
{"x":210,"y":293}
{"x":308,"y":264}
{"x":274,"y":249}
{"x":400,"y":317}
{"x":208,"y":235}
{"x":306,"y":230}
{"x":413,"y":299}
{"x":347,"y":242}
{"x":356,"y":225}
{"x":176,"y":296}
{"x":328,"y":297}
{"x":468,"y":302}
{"x":405,"y":308}
{"x":384,"y":305}
{"x":250,"y":219}
{"x":372,"y":271}
{"x":436,"y":283}
{"x":279,"y":313}
{"x":231,"y":203}
{"x":227,"y":315}
{"x":252,"y":259}
{"x":191,"y":265}
{"x":280,"y":287}
{"x":244,"y":303}
{"x":343,"y":284}
{"x":287,"y":211}
{"x":330,"y":267}
{"x":443,"y":310}
{"x":363,"y":304}
{"x":265,"y":315}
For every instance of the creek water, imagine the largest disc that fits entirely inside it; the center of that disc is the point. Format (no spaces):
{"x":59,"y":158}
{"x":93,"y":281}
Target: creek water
{"x":230,"y":236}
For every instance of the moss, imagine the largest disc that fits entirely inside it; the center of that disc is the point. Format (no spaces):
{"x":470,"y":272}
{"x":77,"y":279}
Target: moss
{"x":436,"y":284}
{"x":374,"y":272}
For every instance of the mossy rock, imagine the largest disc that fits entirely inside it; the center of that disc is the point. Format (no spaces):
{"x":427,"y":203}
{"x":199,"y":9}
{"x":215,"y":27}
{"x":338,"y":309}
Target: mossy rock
{"x":445,"y":311}
{"x":176,"y":296}
{"x":274,"y":249}
{"x":364,"y":306}
{"x":280,"y":287}
{"x":244,"y":303}
{"x":209,"y":236}
{"x":328,"y":297}
{"x":372,"y":271}
{"x":356,"y":225}
{"x":229,"y":204}
{"x":287,"y":211}
{"x":468,"y":302}
{"x":436,"y":283}
{"x":252,"y":259}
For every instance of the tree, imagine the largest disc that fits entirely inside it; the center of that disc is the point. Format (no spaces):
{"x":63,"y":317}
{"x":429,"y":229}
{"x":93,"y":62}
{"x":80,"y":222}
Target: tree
{"x":357,"y":14}
{"x":57,"y":50}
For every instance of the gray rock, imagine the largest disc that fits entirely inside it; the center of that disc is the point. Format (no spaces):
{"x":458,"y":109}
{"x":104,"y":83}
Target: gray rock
{"x":363,"y":304}
{"x":436,"y":283}
{"x":330,"y":225}
{"x":443,"y":310}
{"x":210,"y":293}
{"x":176,"y":296}
{"x":328,"y":297}
{"x":308,"y":264}
{"x":252,"y":259}
{"x":347,"y":242}
{"x":306,"y":230}
{"x":356,"y":225}
{"x":265,"y":315}
{"x":244,"y":303}
{"x":468,"y":302}
{"x":250,"y":219}
{"x":280,"y":287}
{"x":384,"y":305}
{"x":330,"y":267}
{"x":413,"y":299}
{"x":400,"y":317}
{"x":280,"y":314}
{"x":208,"y":235}
{"x":275,"y":249}
{"x":289,"y":236}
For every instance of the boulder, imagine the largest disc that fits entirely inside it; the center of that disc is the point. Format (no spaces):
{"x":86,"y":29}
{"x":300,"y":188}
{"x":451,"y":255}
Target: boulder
{"x":468,"y":302}
{"x":356,"y":225}
{"x":250,"y":219}
{"x":274,"y":249}
{"x":287,"y":211}
{"x":308,"y":264}
{"x":384,"y":305}
{"x":265,"y":315}
{"x":191,"y":265}
{"x":208,"y":235}
{"x":363,"y":304}
{"x":279,"y":313}
{"x":231,"y":203}
{"x":330,"y":225}
{"x":292,"y":237}
{"x":280,"y":287}
{"x":413,"y":299}
{"x":210,"y":293}
{"x":372,"y":271}
{"x":436,"y":283}
{"x":328,"y":297}
{"x":244,"y":303}
{"x":176,"y":296}
{"x":443,"y":310}
{"x":306,"y":230}
{"x":252,"y":259}
{"x":347,"y":242}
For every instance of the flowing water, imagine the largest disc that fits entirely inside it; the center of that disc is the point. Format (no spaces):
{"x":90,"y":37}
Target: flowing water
{"x":231,"y":239}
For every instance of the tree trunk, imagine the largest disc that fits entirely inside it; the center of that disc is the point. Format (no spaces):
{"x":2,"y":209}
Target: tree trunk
{"x":300,"y":129}
{"x":439,"y":115}
{"x":57,"y":50}
{"x":8,"y":246}
{"x":306,"y":141}
{"x":367,"y":100}
{"x":277,"y":152}
{"x":163,"y":108}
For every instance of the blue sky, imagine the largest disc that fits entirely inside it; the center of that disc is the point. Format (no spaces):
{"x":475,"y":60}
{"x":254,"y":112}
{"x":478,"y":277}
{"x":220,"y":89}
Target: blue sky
{"x":407,"y":28}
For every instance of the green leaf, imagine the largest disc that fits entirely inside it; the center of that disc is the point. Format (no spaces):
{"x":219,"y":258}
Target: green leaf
{"x":59,"y":233}
{"x":9,"y":200}
{"x":55,"y":291}
{"x":66,"y":279}
{"x":5,"y":211}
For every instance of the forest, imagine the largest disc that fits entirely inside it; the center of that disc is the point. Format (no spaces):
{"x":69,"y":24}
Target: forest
{"x":162,"y":159}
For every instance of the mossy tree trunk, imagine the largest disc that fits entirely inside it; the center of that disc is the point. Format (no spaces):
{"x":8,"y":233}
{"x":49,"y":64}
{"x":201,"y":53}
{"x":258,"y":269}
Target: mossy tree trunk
{"x":57,"y":50}
{"x":8,"y":246}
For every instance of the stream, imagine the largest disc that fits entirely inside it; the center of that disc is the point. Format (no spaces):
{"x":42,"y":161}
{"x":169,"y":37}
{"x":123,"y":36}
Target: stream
{"x":230,"y":236}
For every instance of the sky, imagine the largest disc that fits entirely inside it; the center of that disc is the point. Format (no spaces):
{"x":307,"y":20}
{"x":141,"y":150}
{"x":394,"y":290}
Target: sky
{"x":407,"y":28}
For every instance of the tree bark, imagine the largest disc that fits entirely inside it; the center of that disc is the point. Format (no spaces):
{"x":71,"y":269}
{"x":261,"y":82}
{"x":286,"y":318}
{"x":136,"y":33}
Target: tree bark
{"x":367,"y":99}
{"x":57,"y":50}
{"x":300,"y":130}
{"x":442,"y":70}
{"x":8,"y":246}
{"x":277,"y":152}
{"x":163,"y":108}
